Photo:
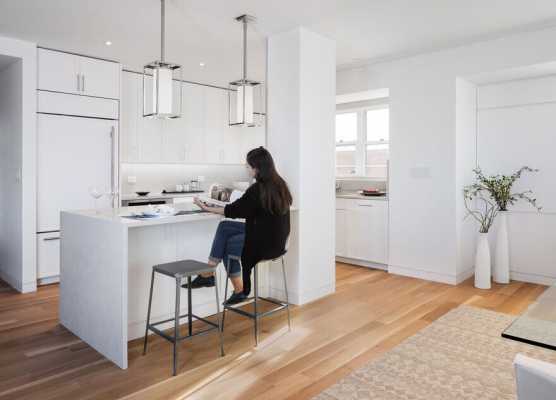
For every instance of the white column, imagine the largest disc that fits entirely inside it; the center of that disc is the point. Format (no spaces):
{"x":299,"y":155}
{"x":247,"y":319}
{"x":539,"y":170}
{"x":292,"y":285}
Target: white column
{"x":301,"y":80}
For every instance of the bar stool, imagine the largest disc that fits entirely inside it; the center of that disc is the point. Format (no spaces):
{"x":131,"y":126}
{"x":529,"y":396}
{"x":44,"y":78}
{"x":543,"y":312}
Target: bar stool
{"x":256,"y":315}
{"x":179,"y":270}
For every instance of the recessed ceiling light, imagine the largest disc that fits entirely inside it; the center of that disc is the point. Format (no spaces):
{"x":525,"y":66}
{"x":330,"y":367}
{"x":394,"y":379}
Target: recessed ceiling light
{"x":202,"y":64}
{"x":108,"y":43}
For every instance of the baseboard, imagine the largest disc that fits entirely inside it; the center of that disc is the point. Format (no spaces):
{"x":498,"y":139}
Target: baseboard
{"x":314,"y":294}
{"x":49,"y":280}
{"x":22,"y":287}
{"x":465,"y":275}
{"x":29,"y":287}
{"x":362,"y":263}
{"x":532,"y":278}
{"x":422,"y":274}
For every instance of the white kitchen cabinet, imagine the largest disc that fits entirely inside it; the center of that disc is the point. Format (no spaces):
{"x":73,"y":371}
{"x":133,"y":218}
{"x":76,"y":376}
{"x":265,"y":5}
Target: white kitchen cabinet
{"x":74,"y":155}
{"x":48,"y":255}
{"x":130,"y":106}
{"x":194,"y":114}
{"x":341,"y":230}
{"x":219,"y":148}
{"x":150,"y":138}
{"x":174,"y":132}
{"x":200,"y":136}
{"x":79,"y":106}
{"x":58,"y":72}
{"x":362,"y":230}
{"x":100,"y":78}
{"x":69,"y":73}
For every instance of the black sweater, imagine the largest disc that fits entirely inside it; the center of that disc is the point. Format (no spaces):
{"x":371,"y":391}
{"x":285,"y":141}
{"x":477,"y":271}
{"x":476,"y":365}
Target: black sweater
{"x":265,"y":233}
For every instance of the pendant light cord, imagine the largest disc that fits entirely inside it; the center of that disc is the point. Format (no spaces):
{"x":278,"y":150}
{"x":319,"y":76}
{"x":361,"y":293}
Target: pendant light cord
{"x":244,"y":48}
{"x":162,"y":29}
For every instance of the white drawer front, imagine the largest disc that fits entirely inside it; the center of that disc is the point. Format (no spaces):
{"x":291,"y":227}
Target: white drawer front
{"x":69,"y":104}
{"x":48,"y":255}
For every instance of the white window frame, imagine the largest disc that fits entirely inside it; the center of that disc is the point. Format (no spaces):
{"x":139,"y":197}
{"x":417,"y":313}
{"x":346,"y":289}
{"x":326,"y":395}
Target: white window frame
{"x":361,"y":142}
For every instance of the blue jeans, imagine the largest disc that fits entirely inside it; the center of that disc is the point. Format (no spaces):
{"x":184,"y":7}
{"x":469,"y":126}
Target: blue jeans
{"x":228,"y":241}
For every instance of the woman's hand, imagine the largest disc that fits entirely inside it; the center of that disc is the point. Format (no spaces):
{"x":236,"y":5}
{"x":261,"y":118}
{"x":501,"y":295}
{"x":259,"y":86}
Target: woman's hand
{"x":200,"y":204}
{"x":203,"y":206}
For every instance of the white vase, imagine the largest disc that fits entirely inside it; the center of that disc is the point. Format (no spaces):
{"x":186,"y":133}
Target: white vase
{"x":501,"y":272}
{"x":482,"y":263}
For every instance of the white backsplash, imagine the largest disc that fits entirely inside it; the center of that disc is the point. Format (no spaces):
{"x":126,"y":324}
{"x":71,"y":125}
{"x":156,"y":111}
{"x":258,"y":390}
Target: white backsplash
{"x":157,"y":177}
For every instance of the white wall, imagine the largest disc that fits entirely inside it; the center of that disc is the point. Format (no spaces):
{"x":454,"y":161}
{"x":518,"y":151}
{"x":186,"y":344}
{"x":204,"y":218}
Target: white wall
{"x":301,"y":107}
{"x":423,"y":209}
{"x":18,"y":165}
{"x":10,"y":167}
{"x":516,"y":127}
{"x":465,"y":147}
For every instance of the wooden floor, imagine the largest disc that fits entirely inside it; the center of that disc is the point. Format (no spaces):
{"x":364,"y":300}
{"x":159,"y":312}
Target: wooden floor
{"x":370,"y":312}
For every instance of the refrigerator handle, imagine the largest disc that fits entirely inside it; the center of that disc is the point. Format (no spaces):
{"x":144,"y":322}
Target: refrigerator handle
{"x":112,"y":166}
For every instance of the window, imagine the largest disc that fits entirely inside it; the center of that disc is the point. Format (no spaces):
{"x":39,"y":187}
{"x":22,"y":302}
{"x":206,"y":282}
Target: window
{"x":362,"y":148}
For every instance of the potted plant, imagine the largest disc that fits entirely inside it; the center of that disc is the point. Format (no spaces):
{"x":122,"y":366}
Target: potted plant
{"x":499,"y":187}
{"x":483,"y":209}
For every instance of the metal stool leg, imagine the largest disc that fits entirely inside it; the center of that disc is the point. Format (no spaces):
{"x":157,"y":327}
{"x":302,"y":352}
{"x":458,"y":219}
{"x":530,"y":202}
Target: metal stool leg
{"x":189,"y":307}
{"x":177,"y":323}
{"x":226,"y":292}
{"x":286,"y":291}
{"x":148,"y":314}
{"x":220,"y":317}
{"x":256,"y":284}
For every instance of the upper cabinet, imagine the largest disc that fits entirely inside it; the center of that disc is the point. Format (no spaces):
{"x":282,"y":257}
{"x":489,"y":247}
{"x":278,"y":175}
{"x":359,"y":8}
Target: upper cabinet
{"x":200,"y":136}
{"x":69,"y":73}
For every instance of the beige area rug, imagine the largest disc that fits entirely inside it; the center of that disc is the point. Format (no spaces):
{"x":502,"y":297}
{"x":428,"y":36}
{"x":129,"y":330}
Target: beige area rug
{"x":459,"y":356}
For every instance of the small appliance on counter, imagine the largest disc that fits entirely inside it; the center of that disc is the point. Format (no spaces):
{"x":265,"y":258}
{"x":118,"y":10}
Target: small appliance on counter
{"x":185,"y":188}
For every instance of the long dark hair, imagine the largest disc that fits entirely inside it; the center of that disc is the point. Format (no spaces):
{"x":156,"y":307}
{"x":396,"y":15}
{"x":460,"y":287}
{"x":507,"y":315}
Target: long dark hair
{"x":275,"y":195}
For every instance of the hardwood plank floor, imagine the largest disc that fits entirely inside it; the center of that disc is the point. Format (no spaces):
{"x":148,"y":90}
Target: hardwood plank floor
{"x":371,"y":312}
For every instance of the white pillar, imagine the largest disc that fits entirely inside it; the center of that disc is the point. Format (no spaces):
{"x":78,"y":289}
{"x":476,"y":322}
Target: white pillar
{"x":301,"y":80}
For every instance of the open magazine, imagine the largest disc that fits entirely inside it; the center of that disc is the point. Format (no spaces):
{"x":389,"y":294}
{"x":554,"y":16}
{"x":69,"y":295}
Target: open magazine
{"x":220,"y":196}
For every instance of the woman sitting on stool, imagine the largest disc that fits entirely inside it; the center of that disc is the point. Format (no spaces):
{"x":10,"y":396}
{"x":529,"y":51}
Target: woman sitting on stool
{"x":265,"y":206}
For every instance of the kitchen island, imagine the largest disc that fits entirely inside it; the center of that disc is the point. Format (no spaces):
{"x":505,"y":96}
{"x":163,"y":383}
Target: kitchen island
{"x":106,"y":265}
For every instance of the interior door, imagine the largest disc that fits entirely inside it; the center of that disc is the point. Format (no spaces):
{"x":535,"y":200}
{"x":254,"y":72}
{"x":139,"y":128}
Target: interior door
{"x":100,"y":78}
{"x":58,"y":71}
{"x":74,"y":154}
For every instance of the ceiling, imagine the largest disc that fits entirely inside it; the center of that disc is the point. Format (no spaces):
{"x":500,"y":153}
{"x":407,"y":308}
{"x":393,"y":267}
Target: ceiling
{"x":205,"y":31}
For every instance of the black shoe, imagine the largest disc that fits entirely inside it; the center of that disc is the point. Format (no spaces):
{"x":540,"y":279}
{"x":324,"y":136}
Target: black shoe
{"x":200,"y":282}
{"x":235,"y":298}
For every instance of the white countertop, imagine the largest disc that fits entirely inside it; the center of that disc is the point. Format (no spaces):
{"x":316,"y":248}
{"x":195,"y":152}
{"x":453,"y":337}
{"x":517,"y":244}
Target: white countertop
{"x":150,"y":196}
{"x":117,"y":216}
{"x":356,"y":195}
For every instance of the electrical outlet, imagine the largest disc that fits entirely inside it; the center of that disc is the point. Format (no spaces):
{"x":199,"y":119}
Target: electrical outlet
{"x":132,"y":180}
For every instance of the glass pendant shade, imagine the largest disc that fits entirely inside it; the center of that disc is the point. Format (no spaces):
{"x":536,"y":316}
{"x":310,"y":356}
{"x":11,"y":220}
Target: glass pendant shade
{"x":245,"y":100}
{"x":162,"y":97}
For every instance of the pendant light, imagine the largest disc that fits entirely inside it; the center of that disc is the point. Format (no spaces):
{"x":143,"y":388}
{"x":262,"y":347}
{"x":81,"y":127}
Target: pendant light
{"x":162,"y":96}
{"x":245,"y":97}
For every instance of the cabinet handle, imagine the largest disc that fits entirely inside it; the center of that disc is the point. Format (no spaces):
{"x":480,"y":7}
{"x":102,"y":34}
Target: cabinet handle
{"x":82,"y":82}
{"x":78,"y":82}
{"x":51,"y":238}
{"x":112,"y":162}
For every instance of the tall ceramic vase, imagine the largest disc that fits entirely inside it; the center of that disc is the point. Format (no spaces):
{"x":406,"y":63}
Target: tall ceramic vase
{"x":482,"y":263}
{"x":501,"y":272}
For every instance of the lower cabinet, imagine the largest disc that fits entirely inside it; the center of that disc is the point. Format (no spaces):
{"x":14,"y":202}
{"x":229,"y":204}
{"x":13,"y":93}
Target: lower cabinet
{"x":48,"y":255}
{"x":362,"y":230}
{"x":341,"y":233}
